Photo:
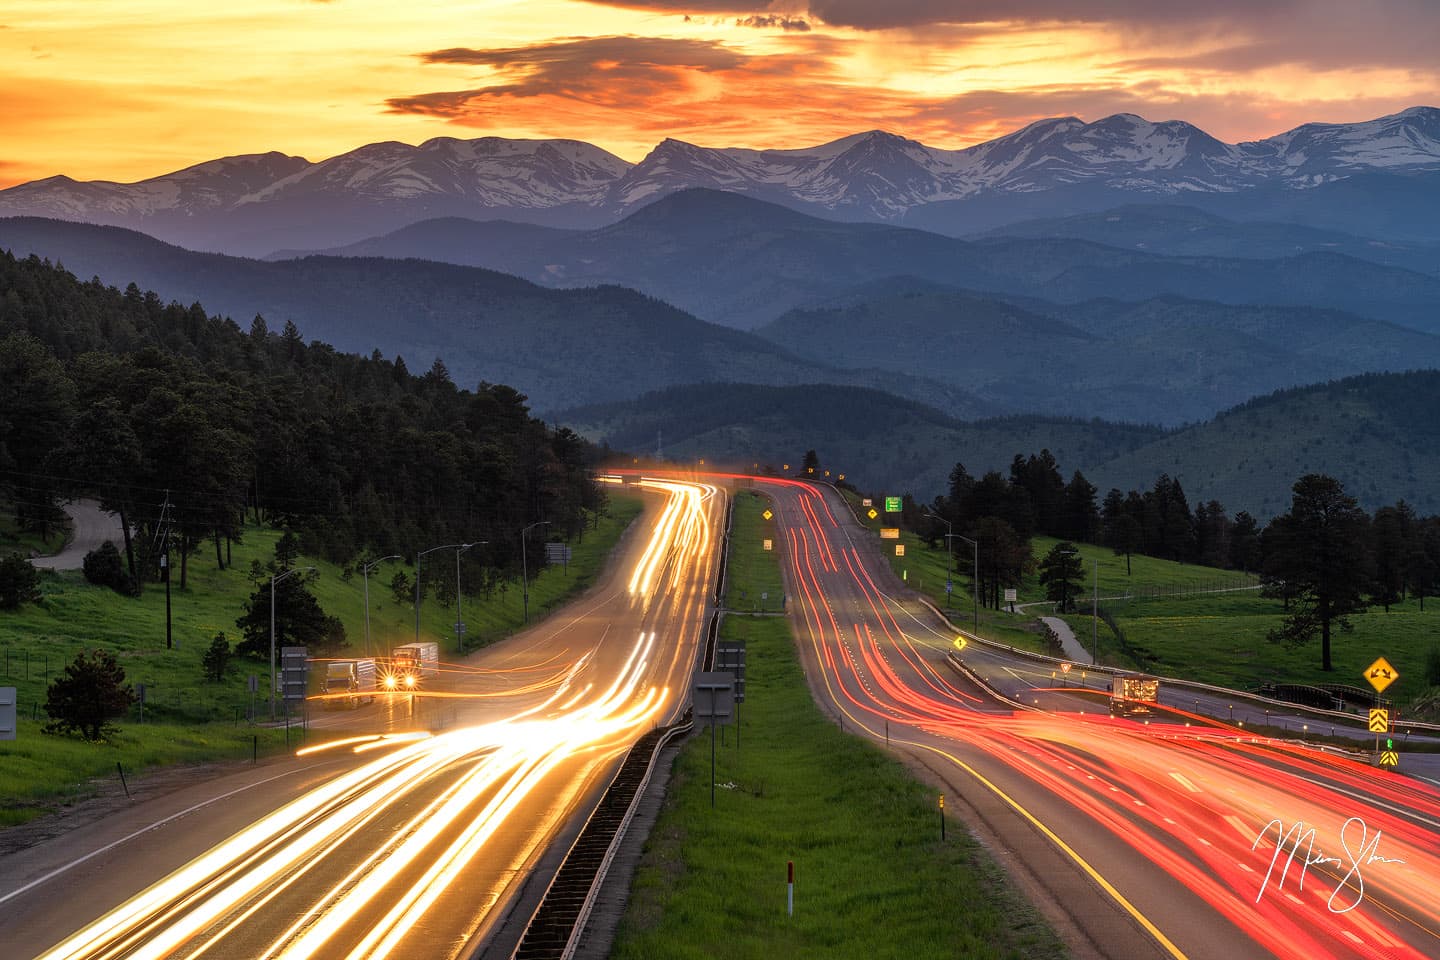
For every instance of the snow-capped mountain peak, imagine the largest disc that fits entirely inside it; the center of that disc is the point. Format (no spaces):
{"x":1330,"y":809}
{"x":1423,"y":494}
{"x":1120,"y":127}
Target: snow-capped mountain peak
{"x":871,"y":175}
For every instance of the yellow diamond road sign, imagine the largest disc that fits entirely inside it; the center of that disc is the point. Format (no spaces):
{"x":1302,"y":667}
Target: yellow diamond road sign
{"x":1381,"y":674}
{"x":1379,"y":720}
{"x":767,"y":515}
{"x":872,"y":514}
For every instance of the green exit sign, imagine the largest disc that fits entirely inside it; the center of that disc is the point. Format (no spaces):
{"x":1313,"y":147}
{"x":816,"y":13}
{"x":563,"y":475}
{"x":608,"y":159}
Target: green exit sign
{"x":892,"y":504}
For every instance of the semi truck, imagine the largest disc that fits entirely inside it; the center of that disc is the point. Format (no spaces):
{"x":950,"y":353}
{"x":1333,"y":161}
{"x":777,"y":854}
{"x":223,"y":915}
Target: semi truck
{"x":348,"y":682}
{"x":1132,"y":695}
{"x":413,"y":665}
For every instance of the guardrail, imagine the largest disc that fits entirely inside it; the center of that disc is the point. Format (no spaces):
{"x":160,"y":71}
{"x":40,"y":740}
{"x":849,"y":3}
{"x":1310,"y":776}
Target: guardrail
{"x":553,"y":932}
{"x":1262,"y":701}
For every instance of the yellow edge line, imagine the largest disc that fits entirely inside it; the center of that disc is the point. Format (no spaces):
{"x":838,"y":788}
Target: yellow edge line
{"x":1064,"y":847}
{"x":1080,"y":861}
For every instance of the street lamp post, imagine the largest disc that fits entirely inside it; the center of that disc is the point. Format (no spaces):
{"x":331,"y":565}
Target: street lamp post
{"x":365,"y":569}
{"x":948,"y":581}
{"x":524,"y":568}
{"x":418,"y":557}
{"x":975,"y":579}
{"x":459,"y":620}
{"x":273,"y":581}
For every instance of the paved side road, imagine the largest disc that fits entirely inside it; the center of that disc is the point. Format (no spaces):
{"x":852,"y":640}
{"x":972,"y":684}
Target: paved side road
{"x":1071,"y":646}
{"x":92,"y":527}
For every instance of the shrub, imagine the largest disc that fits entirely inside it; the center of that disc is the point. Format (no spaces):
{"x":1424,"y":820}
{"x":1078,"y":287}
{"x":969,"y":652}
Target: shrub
{"x":19,"y":582}
{"x":104,"y":567}
{"x":216,"y":658}
{"x":88,"y":695}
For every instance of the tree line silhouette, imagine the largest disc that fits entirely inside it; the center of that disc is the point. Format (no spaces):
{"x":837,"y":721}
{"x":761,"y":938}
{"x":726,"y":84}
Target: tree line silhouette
{"x":117,"y":395}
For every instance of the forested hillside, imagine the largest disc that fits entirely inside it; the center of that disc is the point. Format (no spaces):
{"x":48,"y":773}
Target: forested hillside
{"x":879,"y":440}
{"x":120,"y":395}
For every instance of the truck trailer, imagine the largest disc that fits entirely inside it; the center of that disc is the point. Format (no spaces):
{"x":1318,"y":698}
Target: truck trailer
{"x":413,"y":665}
{"x":1132,"y":695}
{"x":348,"y":682}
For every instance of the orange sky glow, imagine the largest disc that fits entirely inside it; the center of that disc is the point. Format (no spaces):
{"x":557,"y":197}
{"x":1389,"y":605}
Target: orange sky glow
{"x":129,"y":89}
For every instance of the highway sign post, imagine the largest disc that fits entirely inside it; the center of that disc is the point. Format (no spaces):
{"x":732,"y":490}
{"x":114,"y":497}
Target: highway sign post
{"x":714,"y":701}
{"x":889,"y":533}
{"x":1379,"y":720}
{"x":1381,"y":674}
{"x":899,"y":549}
{"x":294,"y":669}
{"x":7,"y":713}
{"x":730,"y":658}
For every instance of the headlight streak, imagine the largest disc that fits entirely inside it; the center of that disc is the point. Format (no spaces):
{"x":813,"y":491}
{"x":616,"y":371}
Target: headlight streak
{"x":483,"y":775}
{"x":262,"y":860}
{"x":1122,"y":777}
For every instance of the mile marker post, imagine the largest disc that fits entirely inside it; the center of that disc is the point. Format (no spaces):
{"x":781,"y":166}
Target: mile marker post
{"x":789,"y":888}
{"x":942,"y":816}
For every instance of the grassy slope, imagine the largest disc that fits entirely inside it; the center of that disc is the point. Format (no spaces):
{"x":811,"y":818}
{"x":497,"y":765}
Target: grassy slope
{"x":187,"y":718}
{"x":862,"y":833}
{"x":1175,"y":624}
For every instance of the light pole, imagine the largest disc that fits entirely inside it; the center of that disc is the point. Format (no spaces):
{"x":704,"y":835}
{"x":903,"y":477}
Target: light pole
{"x":418,"y":557}
{"x":365,"y":569}
{"x":459,"y":620}
{"x":524,"y":568}
{"x":975,"y":579}
{"x":948,"y":526}
{"x":273,"y":581}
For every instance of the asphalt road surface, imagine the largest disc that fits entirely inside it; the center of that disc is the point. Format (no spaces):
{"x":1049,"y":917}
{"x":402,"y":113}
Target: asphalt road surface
{"x":90,"y":527}
{"x":437,"y":837}
{"x":1172,"y":838}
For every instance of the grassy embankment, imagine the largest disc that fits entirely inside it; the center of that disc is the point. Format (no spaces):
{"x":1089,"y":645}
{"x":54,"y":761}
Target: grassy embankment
{"x":1173,"y":622}
{"x":1185,"y":621}
{"x":1182,"y":620}
{"x":186,"y":718}
{"x":863,"y":834}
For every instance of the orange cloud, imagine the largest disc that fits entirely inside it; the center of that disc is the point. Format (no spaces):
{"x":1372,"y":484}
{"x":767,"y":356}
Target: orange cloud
{"x":127,"y":91}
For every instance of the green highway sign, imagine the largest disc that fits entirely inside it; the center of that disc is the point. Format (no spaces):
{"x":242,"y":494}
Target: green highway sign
{"x":892,"y":504}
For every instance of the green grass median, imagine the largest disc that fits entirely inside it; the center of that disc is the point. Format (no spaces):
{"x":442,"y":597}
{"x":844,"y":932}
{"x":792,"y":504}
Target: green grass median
{"x":872,"y":876}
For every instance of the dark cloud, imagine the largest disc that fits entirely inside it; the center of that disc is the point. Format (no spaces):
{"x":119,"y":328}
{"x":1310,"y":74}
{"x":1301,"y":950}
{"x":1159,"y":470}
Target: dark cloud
{"x":883,"y":14}
{"x":798,"y":24}
{"x":588,"y":51}
{"x":873,"y":15}
{"x":632,"y":72}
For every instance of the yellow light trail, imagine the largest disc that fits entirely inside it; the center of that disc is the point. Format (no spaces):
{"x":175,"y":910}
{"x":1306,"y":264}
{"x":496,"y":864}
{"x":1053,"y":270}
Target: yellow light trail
{"x":446,"y":796}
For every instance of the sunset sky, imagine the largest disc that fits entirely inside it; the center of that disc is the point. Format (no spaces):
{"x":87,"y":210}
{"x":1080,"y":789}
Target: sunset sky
{"x":128,"y":89}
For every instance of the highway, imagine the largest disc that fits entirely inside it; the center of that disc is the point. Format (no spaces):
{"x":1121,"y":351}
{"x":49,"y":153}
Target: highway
{"x":430,"y":824}
{"x":1176,"y":838}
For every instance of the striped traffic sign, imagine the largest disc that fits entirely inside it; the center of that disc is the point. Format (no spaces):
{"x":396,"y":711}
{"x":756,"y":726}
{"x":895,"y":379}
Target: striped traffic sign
{"x":1379,"y":720}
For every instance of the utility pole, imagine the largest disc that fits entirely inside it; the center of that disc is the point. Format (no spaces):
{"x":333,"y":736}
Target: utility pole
{"x":162,"y":533}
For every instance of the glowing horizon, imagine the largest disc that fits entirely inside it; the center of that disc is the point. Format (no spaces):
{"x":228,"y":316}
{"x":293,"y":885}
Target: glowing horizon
{"x":133,"y":89}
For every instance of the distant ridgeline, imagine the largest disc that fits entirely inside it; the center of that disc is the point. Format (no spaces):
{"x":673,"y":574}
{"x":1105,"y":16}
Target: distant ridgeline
{"x":118,"y":395}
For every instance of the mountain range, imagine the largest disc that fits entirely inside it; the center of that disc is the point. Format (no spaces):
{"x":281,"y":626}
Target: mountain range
{"x":1376,"y":433}
{"x":560,"y":347}
{"x":741,"y":262}
{"x":1160,"y":358}
{"x":257,"y":203}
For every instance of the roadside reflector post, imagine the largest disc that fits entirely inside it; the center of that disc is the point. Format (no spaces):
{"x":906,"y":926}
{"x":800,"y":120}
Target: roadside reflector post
{"x":789,"y":888}
{"x":942,"y":816}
